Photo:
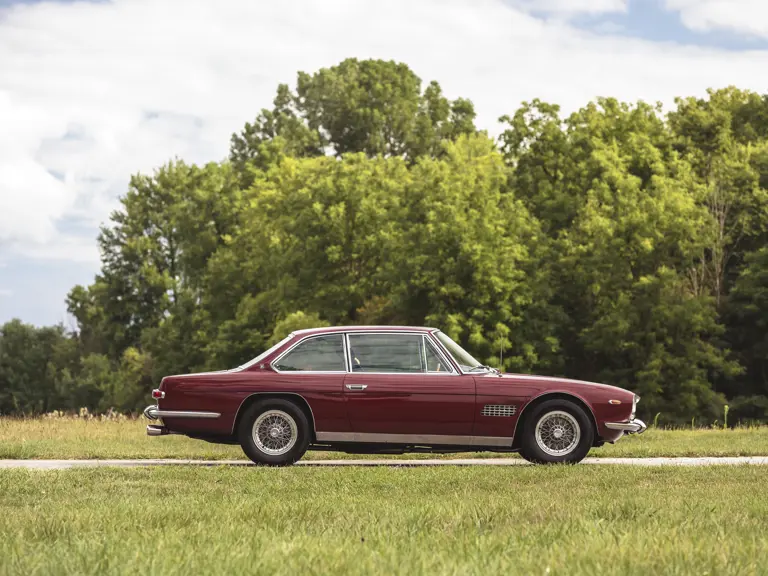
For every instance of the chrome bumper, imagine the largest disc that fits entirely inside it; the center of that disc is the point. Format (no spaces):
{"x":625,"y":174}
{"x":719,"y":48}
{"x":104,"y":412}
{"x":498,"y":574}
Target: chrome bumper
{"x":634,"y":426}
{"x":153,"y":413}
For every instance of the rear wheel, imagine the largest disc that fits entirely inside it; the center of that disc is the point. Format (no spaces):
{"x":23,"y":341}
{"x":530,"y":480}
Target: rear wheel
{"x":274,"y":432}
{"x":556,"y":431}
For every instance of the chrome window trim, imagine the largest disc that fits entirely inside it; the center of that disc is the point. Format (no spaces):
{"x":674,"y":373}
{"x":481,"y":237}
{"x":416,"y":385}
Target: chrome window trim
{"x":347,"y":359}
{"x":414,"y":333}
{"x":444,"y":354}
{"x":261,"y":357}
{"x":273,"y":363}
{"x":315,"y":372}
{"x":450,"y":363}
{"x":427,"y":439}
{"x":348,"y":349}
{"x":447,"y":354}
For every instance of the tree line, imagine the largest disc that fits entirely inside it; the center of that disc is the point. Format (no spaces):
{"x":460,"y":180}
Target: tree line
{"x":616,"y":244}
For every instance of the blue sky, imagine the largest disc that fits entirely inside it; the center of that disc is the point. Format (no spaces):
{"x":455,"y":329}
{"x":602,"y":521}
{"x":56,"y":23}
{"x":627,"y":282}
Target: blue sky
{"x":650,"y":20}
{"x":92,"y":92}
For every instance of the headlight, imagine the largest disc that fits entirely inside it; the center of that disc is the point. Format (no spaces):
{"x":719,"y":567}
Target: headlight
{"x":635,"y":400}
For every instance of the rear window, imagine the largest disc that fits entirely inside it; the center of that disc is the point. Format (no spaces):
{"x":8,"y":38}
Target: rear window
{"x":317,"y":354}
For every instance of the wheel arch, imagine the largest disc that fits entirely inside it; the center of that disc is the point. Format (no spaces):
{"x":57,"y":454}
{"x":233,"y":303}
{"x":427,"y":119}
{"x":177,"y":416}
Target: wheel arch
{"x":553,"y":395}
{"x":294,"y":397}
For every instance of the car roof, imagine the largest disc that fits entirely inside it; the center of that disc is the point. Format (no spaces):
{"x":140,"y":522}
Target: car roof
{"x":327,"y":329}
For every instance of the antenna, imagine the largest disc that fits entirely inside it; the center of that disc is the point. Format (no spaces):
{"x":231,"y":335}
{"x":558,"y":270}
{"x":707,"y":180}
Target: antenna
{"x":501,"y":354}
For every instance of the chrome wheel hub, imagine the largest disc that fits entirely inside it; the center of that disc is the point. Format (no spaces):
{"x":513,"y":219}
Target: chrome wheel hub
{"x":275,"y":432}
{"x":557,"y":433}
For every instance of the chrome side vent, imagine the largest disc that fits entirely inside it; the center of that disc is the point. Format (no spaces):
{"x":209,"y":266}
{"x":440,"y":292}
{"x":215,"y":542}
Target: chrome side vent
{"x":499,"y":410}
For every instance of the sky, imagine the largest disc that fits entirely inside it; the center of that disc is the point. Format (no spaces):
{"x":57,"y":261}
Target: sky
{"x":94,"y":91}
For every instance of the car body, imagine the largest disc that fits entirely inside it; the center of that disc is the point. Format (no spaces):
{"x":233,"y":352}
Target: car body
{"x":388,"y":389}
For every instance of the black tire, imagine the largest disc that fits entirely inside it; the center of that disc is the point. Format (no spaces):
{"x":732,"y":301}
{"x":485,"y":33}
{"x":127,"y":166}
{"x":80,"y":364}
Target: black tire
{"x":283,"y":413}
{"x":557,"y":416}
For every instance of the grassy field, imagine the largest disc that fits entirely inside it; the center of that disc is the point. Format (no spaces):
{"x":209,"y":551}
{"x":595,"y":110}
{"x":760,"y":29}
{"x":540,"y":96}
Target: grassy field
{"x":79,"y":438}
{"x":521,"y":520}
{"x":528,"y":520}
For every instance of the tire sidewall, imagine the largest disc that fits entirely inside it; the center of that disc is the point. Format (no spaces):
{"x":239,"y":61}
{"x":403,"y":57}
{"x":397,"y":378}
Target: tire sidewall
{"x":530,"y":449}
{"x":245,"y":432}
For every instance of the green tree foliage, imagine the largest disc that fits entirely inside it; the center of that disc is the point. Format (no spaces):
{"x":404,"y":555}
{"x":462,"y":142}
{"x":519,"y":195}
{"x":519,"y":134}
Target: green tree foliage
{"x":615,"y":244}
{"x":374,"y":107}
{"x":36,"y":368}
{"x":295,"y":321}
{"x":462,"y":256}
{"x":626,"y":228}
{"x":748,"y":334}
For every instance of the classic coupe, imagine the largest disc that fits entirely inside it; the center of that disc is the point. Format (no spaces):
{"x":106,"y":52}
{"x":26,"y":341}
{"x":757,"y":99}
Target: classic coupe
{"x":389,"y":390}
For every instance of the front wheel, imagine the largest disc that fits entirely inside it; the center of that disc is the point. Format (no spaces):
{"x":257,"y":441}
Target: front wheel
{"x":556,"y":431}
{"x":274,"y":432}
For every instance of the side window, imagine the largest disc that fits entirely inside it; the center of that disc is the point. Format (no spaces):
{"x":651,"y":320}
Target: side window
{"x":386,"y":353}
{"x":434,"y":362}
{"x":320,"y":354}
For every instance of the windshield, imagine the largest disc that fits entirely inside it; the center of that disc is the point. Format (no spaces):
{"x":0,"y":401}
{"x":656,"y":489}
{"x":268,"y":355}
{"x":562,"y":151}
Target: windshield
{"x":263,"y":355}
{"x":463,"y":358}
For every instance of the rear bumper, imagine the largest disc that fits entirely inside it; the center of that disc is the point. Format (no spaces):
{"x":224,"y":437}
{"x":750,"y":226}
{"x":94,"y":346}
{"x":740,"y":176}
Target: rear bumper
{"x":157,"y":430}
{"x":634,"y":426}
{"x":153,"y":413}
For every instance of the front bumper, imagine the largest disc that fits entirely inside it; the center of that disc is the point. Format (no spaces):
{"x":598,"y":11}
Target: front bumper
{"x":634,"y":426}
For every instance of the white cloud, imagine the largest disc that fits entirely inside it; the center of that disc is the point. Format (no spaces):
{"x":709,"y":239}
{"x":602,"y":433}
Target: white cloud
{"x":4,"y":292}
{"x":570,"y":7}
{"x":93,"y":92}
{"x":61,"y":247}
{"x":745,"y":16}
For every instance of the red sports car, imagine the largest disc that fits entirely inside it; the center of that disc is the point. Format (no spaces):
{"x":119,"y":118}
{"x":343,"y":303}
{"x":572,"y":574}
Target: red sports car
{"x":386,"y":389}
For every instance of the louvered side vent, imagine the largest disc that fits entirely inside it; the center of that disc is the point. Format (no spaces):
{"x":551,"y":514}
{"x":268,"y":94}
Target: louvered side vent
{"x":499,"y":410}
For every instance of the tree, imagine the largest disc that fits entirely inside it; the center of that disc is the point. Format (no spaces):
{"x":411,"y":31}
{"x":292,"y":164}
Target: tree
{"x":315,"y":237}
{"x":614,"y":244}
{"x":625,"y":227}
{"x":748,"y":332}
{"x":35,"y":366}
{"x":275,"y":133}
{"x":296,"y":321}
{"x":462,"y":254}
{"x":155,"y":253}
{"x":374,"y":107}
{"x":717,"y":136}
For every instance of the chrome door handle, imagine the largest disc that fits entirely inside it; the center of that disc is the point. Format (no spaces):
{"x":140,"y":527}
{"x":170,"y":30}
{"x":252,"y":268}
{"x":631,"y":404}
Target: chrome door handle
{"x":357,"y":386}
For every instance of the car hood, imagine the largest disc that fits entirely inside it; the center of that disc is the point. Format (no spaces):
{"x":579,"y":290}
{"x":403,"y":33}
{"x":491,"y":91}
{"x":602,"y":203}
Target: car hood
{"x":554,"y":382}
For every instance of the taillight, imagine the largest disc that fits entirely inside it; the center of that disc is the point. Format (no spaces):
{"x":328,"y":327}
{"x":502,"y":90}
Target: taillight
{"x":158,"y":394}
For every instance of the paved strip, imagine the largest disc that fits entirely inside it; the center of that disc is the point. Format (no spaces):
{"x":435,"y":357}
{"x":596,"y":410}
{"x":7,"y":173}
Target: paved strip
{"x":654,"y":462}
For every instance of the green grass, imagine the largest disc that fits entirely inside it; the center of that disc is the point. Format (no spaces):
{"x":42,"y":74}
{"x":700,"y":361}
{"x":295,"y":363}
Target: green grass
{"x":68,"y":438}
{"x":529,"y":520}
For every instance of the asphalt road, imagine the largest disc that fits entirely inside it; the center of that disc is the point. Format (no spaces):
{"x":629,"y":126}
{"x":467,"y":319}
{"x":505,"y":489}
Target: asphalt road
{"x":64,"y":464}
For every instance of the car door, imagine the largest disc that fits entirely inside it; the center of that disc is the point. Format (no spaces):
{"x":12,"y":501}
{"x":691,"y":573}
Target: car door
{"x":314,"y":368}
{"x":402,"y":389}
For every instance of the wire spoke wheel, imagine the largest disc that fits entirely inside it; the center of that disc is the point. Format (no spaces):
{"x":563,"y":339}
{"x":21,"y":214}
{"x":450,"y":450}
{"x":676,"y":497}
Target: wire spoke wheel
{"x":557,"y":433}
{"x":275,"y":432}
